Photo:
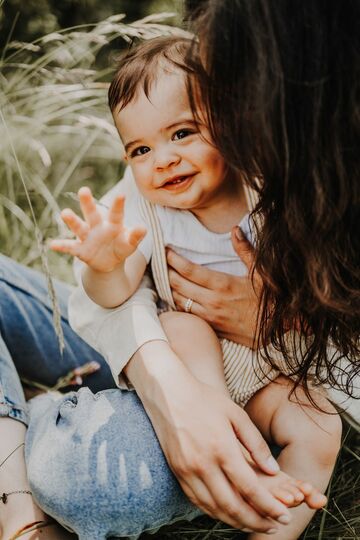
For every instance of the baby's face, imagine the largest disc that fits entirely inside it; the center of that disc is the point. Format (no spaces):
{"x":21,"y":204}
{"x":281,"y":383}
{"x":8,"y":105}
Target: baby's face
{"x":172,"y":158}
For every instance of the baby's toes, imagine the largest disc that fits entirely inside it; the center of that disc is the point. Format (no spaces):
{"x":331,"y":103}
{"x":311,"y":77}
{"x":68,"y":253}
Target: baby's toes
{"x":316,"y":500}
{"x":299,"y":497}
{"x":305,"y":487}
{"x":313,"y":498}
{"x":284,"y":495}
{"x":297,"y":494}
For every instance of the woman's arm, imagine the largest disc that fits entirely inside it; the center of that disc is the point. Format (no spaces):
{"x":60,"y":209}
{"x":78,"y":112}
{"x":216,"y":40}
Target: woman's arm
{"x":199,"y":430}
{"x":228,"y":303}
{"x":170,"y":396}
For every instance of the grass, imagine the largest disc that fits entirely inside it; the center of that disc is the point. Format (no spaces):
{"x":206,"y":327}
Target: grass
{"x":56,"y":134}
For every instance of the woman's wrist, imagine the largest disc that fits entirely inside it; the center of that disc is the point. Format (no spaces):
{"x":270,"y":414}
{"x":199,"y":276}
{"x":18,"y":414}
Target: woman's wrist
{"x":153,"y":370}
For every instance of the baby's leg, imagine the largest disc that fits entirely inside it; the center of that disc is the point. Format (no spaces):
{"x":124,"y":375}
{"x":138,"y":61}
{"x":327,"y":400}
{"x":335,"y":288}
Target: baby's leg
{"x":196,"y":344}
{"x":310,"y":440}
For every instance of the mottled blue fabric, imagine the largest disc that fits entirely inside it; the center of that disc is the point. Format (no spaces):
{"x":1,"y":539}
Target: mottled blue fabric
{"x":94,"y":462}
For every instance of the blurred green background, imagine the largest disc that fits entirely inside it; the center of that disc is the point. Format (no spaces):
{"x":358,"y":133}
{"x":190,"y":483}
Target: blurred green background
{"x":31,"y":19}
{"x":56,"y":132}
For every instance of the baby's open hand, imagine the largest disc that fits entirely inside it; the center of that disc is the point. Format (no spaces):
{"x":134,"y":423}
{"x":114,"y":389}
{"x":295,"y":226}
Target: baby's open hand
{"x":102,"y":241}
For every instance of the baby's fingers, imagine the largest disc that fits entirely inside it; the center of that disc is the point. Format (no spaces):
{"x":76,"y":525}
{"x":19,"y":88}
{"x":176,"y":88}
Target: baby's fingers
{"x":116,"y":212}
{"x":66,"y":246}
{"x":136,"y":235}
{"x":88,"y":207}
{"x":75,"y":224}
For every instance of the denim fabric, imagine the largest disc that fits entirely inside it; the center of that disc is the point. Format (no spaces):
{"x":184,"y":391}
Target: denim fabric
{"x":95,"y":465}
{"x":94,"y":462}
{"x":27,"y":330}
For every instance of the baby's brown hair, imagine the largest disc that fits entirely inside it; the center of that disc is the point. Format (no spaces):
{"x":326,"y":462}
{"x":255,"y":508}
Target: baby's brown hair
{"x":139,"y":67}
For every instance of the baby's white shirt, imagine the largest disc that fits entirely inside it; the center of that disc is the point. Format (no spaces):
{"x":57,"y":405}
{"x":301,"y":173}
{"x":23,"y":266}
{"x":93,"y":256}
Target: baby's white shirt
{"x":188,"y":237}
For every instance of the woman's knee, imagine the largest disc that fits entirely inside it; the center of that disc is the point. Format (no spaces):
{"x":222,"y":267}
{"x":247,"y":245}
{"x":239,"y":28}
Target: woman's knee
{"x":95,"y":464}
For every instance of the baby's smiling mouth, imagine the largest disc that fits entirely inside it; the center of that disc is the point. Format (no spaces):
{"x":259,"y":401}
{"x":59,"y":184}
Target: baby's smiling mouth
{"x":178,"y":181}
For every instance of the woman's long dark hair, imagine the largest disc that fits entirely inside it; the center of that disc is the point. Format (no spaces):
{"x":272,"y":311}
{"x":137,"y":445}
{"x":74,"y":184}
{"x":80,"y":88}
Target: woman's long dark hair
{"x":282,"y":92}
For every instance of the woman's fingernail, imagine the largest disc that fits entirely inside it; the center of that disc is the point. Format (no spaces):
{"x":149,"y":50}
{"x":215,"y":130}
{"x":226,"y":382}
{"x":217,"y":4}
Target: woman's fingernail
{"x":284,"y":519}
{"x":273,"y":464}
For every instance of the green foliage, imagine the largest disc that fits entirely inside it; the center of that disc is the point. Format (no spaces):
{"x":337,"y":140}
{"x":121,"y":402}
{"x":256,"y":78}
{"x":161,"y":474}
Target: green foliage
{"x":56,"y":132}
{"x":31,"y":19}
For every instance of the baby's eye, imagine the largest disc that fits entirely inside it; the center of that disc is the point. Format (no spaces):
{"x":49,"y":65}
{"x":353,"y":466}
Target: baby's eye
{"x":182,"y":133}
{"x":140,"y":151}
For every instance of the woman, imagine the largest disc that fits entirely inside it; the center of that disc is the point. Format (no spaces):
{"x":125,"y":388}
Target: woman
{"x":265,"y":105}
{"x":282,"y":94}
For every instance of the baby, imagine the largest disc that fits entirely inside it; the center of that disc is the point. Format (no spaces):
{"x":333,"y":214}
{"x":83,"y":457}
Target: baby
{"x":187,"y":198}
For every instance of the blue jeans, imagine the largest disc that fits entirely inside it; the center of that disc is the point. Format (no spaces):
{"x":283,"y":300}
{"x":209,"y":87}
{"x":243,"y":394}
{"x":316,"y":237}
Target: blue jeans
{"x":94,"y":462}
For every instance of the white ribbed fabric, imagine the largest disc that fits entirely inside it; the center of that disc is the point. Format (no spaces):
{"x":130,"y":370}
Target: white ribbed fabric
{"x":187,"y":236}
{"x":245,"y":371}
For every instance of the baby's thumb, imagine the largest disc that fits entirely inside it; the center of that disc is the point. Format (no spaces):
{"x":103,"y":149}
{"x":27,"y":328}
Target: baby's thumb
{"x":136,"y":235}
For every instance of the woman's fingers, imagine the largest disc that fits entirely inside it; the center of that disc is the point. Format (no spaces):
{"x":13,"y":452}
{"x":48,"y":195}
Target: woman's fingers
{"x":197,"y":492}
{"x":245,"y":251}
{"x":88,"y":207}
{"x":244,"y":479}
{"x":218,"y":498}
{"x":230,"y":304}
{"x":188,"y":289}
{"x":77,"y":225}
{"x":213,"y":492}
{"x":251,"y":438}
{"x":196,"y":309}
{"x":242,"y":247}
{"x":196,"y":273}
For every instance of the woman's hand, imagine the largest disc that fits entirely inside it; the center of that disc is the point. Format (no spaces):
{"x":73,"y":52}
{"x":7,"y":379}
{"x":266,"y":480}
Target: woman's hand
{"x":200,"y":431}
{"x":228,"y":303}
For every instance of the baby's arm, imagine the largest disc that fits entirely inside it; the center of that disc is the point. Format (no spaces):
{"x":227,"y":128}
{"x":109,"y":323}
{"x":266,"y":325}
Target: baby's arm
{"x":114,"y":267}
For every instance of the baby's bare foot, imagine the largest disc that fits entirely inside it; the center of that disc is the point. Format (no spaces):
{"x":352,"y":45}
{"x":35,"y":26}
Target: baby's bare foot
{"x":292,"y":492}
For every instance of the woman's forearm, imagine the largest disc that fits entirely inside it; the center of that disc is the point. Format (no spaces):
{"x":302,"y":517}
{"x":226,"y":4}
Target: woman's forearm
{"x":199,"y":430}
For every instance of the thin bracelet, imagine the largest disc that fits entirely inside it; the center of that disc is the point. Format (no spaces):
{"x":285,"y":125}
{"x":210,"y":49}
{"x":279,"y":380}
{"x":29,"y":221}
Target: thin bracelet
{"x":4,"y":496}
{"x":11,"y":453}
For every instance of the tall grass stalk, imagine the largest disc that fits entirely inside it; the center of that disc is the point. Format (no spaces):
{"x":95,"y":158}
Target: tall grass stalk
{"x":54,"y":110}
